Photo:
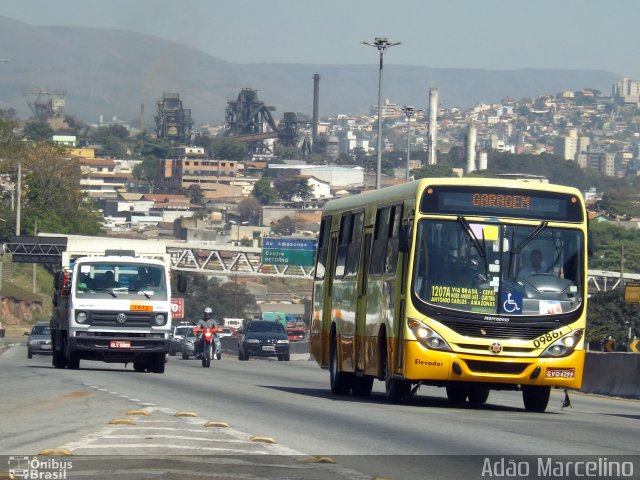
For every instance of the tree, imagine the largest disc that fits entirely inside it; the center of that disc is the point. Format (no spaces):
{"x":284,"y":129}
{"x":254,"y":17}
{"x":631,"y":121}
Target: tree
{"x":285,"y":226}
{"x":438,"y":170}
{"x":52,"y":196}
{"x":263,"y":191}
{"x":147,"y":171}
{"x":195,"y":194}
{"x":293,"y":189}
{"x":225,"y":299}
{"x":227,"y":148}
{"x":609,"y":316}
{"x":249,"y":209}
{"x":38,"y":130}
{"x":154,"y":147}
{"x":624,"y":202}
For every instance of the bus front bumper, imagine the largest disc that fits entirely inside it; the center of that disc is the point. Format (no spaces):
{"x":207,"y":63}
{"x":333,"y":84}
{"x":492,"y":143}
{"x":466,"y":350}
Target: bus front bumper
{"x":431,"y":365}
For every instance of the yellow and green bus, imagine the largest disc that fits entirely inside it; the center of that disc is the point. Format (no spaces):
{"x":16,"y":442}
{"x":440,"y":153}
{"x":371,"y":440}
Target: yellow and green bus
{"x":430,"y":283}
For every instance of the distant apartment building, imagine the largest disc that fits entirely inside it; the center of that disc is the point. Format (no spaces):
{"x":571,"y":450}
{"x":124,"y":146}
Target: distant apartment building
{"x":604,"y":163}
{"x":349,"y":142}
{"x":566,"y":146}
{"x":192,"y":166}
{"x":627,"y":91}
{"x":100,"y":179}
{"x":336,"y":177}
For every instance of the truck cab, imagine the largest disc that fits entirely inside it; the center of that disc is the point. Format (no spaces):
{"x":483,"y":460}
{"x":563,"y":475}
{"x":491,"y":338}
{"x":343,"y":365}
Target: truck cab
{"x":113,"y":308}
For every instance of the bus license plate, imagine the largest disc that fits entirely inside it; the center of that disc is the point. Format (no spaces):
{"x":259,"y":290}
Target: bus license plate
{"x":268,"y":348}
{"x":119,"y":344}
{"x":560,"y":373}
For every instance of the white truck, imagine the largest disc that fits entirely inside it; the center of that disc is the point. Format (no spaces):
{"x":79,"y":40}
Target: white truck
{"x":113,"y":305}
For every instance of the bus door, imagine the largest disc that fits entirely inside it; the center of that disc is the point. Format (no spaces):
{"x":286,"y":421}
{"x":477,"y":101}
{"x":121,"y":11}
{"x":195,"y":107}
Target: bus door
{"x":361,"y":315}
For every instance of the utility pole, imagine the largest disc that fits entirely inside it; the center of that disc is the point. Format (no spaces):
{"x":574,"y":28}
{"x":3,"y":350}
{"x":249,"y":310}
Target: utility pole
{"x":381,"y":43}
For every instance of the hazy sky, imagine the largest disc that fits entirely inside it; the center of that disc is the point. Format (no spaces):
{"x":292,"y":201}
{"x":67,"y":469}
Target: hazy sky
{"x":492,"y":34}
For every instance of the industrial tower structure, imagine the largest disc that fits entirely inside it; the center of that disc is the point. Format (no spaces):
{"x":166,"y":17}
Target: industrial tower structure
{"x":172,"y":121}
{"x":44,"y":104}
{"x":433,"y":126}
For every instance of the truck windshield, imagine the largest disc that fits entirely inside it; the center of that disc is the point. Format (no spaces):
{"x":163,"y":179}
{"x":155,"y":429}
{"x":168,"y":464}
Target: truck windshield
{"x":493,"y":268}
{"x":120,"y":279}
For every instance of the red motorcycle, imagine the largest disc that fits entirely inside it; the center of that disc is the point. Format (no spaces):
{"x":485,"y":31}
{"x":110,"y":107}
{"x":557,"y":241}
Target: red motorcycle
{"x":207,"y":345}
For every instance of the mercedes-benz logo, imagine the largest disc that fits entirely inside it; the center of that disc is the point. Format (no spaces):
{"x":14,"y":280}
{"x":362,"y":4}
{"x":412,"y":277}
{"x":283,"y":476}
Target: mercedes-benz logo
{"x":495,"y":348}
{"x":121,"y":318}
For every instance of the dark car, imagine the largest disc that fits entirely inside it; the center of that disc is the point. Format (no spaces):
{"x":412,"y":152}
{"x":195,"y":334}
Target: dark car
{"x":263,"y":338}
{"x":39,"y":342}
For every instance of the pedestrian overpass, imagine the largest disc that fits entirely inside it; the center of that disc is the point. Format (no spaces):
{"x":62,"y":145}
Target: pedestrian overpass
{"x":221,"y":259}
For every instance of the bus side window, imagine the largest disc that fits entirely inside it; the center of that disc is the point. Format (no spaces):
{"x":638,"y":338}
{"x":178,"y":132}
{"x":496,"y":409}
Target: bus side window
{"x":355,"y":243}
{"x":391,"y":260}
{"x":380,"y":238}
{"x":323,"y":248}
{"x":343,"y":244}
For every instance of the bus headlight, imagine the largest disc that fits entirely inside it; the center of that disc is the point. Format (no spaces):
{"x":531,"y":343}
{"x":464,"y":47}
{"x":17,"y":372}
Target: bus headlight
{"x":427,"y":336}
{"x":81,"y":317}
{"x":160,"y":319}
{"x":563,"y":346}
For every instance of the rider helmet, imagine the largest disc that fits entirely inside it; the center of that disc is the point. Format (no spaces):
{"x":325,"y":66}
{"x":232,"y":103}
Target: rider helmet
{"x":208,"y":313}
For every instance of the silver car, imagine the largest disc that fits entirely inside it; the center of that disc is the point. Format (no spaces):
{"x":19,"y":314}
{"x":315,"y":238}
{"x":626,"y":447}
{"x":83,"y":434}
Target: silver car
{"x":177,"y":338}
{"x":39,"y":341}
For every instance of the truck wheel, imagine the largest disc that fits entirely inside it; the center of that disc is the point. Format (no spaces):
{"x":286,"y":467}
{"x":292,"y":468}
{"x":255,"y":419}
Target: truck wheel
{"x":157,"y":363}
{"x":74,"y":361}
{"x":139,"y":366}
{"x":59,"y":360}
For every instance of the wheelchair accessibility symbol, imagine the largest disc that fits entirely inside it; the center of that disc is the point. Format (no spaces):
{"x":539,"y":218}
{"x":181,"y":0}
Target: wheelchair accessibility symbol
{"x":511,"y":302}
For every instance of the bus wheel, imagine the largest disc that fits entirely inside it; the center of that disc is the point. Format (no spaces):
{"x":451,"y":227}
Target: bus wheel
{"x":396,"y":390}
{"x":457,"y":393}
{"x":341,"y":382}
{"x":535,"y":398}
{"x":362,"y":386}
{"x":478,"y":395}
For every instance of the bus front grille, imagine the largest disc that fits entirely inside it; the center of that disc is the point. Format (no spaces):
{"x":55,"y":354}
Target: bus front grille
{"x":515,"y":331}
{"x":479,"y":366}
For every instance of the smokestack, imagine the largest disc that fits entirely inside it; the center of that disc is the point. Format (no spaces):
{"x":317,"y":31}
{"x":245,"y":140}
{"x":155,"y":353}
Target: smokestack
{"x":482,"y":163}
{"x":142,"y":117}
{"x":433,"y":125}
{"x":471,"y":148}
{"x":316,"y":94}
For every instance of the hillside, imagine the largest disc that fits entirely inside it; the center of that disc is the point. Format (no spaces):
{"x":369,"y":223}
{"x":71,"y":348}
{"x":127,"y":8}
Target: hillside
{"x":111,"y":72}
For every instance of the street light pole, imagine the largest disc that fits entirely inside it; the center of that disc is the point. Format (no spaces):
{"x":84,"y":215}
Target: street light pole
{"x":409,"y":112}
{"x":381,"y":43}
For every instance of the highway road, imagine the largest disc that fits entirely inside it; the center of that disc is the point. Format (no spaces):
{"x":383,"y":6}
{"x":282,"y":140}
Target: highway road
{"x":265,"y":401}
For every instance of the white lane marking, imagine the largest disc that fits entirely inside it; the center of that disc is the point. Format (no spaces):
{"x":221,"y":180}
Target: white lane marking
{"x":165,"y":447}
{"x":178,"y":437}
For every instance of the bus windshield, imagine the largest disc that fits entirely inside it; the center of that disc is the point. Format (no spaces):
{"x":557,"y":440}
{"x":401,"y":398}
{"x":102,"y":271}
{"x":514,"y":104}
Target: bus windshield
{"x":494,"y":268}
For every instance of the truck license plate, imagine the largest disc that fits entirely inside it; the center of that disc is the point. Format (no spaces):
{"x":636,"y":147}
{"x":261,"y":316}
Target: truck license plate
{"x":119,"y":344}
{"x":560,"y":373}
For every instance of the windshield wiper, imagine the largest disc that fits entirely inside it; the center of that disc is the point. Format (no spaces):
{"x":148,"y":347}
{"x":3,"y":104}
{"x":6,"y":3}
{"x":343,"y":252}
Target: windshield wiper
{"x":534,"y":233}
{"x":472,"y":236}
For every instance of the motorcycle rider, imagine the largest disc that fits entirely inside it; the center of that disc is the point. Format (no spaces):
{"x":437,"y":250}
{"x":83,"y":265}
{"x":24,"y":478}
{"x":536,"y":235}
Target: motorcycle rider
{"x":206,"y":321}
